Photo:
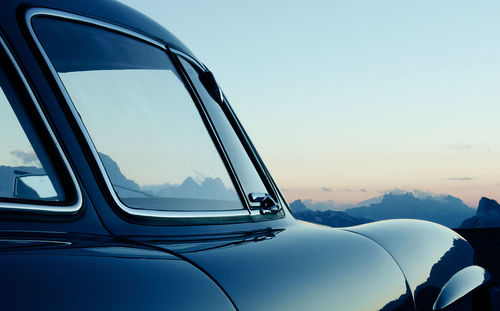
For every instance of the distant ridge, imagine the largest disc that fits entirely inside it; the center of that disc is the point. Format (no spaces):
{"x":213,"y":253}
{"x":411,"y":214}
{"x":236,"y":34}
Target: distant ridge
{"x":328,"y":218}
{"x":487,"y":215}
{"x":446,"y":210}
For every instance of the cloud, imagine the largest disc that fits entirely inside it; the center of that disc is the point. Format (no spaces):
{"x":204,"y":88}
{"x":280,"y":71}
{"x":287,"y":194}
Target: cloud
{"x":348,"y":190}
{"x":417,"y":193}
{"x":460,"y":147}
{"x":393,"y":191}
{"x":460,"y":178}
{"x":25,"y":157}
{"x":326,"y":189}
{"x":468,"y":147}
{"x":363,"y":190}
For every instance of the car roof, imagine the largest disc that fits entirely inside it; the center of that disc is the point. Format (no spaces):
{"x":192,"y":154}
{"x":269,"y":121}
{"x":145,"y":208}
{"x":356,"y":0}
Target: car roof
{"x":109,"y":11}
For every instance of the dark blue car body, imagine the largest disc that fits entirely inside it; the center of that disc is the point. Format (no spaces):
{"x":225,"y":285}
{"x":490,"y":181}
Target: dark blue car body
{"x":99,"y":257}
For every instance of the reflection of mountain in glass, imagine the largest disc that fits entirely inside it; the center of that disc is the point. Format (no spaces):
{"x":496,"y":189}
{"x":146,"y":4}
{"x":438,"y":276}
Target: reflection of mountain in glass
{"x":209,"y":188}
{"x":123,"y":185}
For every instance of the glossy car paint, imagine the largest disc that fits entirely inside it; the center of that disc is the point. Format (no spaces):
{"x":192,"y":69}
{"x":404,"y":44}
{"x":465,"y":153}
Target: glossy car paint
{"x":100,"y":258}
{"x":428,"y":254}
{"x":68,"y":272}
{"x":300,"y":267}
{"x":462,"y":283}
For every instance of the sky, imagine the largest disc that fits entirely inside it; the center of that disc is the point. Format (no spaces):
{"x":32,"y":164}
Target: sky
{"x":346,"y":100}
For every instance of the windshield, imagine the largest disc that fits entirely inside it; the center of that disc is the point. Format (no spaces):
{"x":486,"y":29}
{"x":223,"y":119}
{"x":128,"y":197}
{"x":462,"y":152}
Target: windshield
{"x":148,"y":132}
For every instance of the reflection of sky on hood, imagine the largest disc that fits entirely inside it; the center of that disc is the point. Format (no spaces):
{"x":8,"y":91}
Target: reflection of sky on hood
{"x":357,"y":94}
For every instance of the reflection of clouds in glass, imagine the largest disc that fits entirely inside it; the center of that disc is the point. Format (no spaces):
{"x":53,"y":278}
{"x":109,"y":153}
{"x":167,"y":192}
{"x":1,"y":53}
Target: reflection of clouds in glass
{"x":26,"y":157}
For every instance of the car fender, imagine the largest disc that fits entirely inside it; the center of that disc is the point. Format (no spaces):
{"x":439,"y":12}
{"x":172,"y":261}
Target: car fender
{"x":428,"y":254}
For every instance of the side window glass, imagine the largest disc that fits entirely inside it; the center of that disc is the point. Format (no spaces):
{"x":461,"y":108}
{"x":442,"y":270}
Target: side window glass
{"x":245,"y":169}
{"x":146,"y":129}
{"x":26,"y":173}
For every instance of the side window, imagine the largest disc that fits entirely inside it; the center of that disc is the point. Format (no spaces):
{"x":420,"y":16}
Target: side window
{"x":26,"y":173}
{"x":245,"y":169}
{"x":148,"y":133}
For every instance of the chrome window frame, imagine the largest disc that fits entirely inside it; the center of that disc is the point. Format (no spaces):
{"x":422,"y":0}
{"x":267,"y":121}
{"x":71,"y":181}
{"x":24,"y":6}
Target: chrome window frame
{"x":31,"y":13}
{"x":42,"y":208}
{"x":242,"y":135}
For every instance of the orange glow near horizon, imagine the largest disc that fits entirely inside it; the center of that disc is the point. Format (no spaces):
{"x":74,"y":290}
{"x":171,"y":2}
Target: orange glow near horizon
{"x":346,"y":196}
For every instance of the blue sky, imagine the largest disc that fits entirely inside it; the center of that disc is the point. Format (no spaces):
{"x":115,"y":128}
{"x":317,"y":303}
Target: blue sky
{"x":347,"y":99}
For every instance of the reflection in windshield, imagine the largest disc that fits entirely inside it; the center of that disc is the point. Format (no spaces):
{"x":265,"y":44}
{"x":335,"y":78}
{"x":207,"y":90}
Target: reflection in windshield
{"x":8,"y":175}
{"x":29,"y":182}
{"x":155,"y":147}
{"x":187,"y":195}
{"x":140,"y":117}
{"x":201,"y":188}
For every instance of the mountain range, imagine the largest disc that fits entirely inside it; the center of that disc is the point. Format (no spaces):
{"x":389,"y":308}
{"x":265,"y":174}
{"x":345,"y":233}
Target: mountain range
{"x":446,"y":210}
{"x":443,"y":209}
{"x":487,"y":215}
{"x":327,"y":218}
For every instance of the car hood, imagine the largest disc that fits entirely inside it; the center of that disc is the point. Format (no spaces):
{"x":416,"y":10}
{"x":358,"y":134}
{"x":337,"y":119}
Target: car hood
{"x":299,"y":267}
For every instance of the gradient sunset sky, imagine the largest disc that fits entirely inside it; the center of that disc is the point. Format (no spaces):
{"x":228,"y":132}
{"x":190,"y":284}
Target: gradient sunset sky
{"x":346,"y":100}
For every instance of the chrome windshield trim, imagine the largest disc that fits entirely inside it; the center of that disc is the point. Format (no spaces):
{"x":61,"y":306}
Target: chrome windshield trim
{"x":189,"y":58}
{"x":42,"y":208}
{"x":131,"y":211}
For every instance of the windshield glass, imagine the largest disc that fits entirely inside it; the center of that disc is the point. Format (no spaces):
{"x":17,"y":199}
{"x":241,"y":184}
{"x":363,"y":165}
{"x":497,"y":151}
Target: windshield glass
{"x":149,"y":135}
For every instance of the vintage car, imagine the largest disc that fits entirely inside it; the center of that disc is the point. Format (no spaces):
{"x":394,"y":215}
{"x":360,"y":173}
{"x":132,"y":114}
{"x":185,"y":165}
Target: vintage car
{"x":128,"y":183}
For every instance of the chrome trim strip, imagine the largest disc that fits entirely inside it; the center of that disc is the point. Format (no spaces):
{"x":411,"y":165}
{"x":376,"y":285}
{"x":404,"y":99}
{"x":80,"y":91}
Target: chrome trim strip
{"x":189,"y":57}
{"x":50,"y":209}
{"x":132,"y":211}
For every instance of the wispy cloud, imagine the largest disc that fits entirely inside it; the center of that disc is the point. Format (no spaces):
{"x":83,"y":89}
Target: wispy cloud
{"x":326,"y":189}
{"x":418,"y":193}
{"x":460,"y":178}
{"x":468,"y":147}
{"x":363,"y":190}
{"x":393,"y":191}
{"x":348,"y":190}
{"x":460,"y":147}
